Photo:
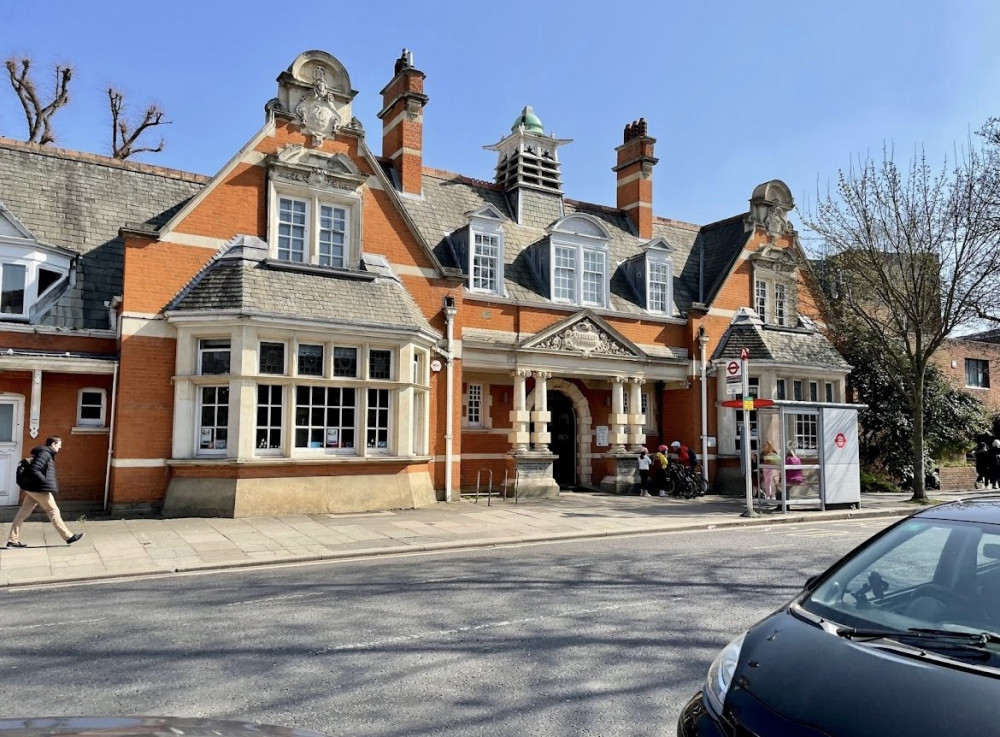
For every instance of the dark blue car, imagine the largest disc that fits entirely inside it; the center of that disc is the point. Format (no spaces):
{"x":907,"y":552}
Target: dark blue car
{"x":900,"y":637}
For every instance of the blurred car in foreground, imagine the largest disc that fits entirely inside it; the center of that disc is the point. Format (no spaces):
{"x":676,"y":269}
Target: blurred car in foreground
{"x":143,"y":727}
{"x":900,"y":637}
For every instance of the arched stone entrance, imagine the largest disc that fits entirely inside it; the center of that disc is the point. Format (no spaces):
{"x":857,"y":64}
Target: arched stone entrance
{"x":584,"y":425}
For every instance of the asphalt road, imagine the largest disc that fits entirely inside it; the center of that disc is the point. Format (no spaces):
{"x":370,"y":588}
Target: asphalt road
{"x":599,"y":637}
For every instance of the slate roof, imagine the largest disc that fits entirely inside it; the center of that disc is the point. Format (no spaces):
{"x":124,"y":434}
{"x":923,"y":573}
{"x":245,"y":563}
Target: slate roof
{"x":80,"y":201}
{"x":780,"y":345}
{"x":249,"y":286}
{"x":448,"y":197}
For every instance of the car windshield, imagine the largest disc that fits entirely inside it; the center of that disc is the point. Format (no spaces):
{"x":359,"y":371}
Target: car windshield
{"x":924,"y":579}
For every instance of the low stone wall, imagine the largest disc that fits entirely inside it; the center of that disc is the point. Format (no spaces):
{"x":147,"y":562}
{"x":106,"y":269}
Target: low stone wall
{"x":958,"y":478}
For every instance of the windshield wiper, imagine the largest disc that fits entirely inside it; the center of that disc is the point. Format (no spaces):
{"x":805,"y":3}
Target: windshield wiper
{"x":961,"y":638}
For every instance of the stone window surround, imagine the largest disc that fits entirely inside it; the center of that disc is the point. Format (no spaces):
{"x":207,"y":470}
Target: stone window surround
{"x":348,"y":200}
{"x":244,"y":378}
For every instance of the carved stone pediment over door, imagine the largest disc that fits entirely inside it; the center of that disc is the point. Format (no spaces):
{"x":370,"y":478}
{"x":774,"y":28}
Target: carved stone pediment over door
{"x":586,"y":334}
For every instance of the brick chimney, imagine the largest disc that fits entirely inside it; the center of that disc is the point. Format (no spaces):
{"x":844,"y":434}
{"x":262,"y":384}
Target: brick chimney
{"x":403,"y":101}
{"x":635,"y":177}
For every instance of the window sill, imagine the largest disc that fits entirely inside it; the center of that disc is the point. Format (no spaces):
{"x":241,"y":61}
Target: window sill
{"x":297,"y":461}
{"x":977,"y":388}
{"x":90,"y":430}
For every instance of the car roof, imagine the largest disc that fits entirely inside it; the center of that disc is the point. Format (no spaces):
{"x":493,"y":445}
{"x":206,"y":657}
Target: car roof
{"x":979,"y":509}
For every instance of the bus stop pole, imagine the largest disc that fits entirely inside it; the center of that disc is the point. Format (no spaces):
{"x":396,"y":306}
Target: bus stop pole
{"x":745,"y":445}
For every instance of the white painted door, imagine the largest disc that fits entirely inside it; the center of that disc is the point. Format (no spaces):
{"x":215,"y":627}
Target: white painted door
{"x":11,"y":414}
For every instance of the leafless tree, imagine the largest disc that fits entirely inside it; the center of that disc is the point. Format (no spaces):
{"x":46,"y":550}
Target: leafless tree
{"x":124,"y":133}
{"x":911,"y":254}
{"x":39,"y":116}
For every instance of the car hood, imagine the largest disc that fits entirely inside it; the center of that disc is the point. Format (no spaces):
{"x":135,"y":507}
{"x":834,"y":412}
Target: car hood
{"x":142,"y":727}
{"x":824,"y":684}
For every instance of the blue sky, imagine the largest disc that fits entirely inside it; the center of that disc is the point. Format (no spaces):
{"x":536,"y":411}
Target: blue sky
{"x":736,"y":93}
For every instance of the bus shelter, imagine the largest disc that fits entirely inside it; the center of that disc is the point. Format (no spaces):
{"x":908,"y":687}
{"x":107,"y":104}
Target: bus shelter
{"x":807,"y":453}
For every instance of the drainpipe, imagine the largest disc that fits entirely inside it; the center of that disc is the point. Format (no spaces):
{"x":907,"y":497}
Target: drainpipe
{"x":703,"y":343}
{"x":449,"y":320}
{"x":113,"y":318}
{"x":111,"y":436}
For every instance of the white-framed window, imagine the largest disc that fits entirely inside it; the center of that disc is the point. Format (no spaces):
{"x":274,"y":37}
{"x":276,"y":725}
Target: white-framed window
{"x":271,"y":357}
{"x":332,"y":235}
{"x":760,"y":299}
{"x":780,"y":304}
{"x":806,"y":431}
{"x":214,"y":356}
{"x":474,"y":405}
{"x":29,"y":270}
{"x":564,"y":274}
{"x":91,"y":408}
{"x":319,"y":228}
{"x":579,"y":261}
{"x":486,"y":256}
{"x":213,"y":428}
{"x":325,"y":418}
{"x":293,"y":229}
{"x":658,"y":286}
{"x":813,"y":391}
{"x":594,"y":277}
{"x":753,"y":386}
{"x":829,"y":392}
{"x":377,"y":433}
{"x":650,"y":427}
{"x":270,"y":419}
{"x":780,"y":391}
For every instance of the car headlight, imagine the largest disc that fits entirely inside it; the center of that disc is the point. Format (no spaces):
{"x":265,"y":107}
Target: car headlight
{"x":720,"y":673}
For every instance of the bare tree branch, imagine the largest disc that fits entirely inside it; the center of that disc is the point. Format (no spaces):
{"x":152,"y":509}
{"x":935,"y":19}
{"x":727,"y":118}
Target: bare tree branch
{"x":124,"y":133}
{"x":38,"y":116}
{"x":914,"y":255}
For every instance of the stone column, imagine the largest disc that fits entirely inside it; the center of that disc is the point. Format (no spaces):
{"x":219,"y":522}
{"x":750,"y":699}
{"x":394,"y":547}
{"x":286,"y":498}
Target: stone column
{"x":541,"y":416}
{"x":637,"y":420}
{"x":618,"y":419}
{"x":519,"y":416}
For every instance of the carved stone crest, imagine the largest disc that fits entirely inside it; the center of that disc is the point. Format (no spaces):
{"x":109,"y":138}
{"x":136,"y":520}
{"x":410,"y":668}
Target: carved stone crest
{"x":587,"y":338}
{"x":317,"y":112}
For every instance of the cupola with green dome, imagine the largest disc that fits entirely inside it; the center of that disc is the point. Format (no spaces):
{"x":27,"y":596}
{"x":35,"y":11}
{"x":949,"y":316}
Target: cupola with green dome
{"x":527,"y":120}
{"x":526,"y":158}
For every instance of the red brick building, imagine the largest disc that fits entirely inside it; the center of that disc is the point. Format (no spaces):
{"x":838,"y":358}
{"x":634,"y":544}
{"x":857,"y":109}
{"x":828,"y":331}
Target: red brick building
{"x":324,"y":327}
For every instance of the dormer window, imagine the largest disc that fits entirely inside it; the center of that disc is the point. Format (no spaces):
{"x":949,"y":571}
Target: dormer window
{"x":311,"y":231}
{"x":485,"y":262}
{"x":480,"y":249}
{"x":579,"y":262}
{"x":774,"y":285}
{"x":651,"y":275}
{"x":315,"y":215}
{"x":32,"y":274}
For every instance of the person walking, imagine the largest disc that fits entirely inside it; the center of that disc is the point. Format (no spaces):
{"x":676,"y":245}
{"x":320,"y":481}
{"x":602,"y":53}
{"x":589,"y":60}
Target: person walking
{"x":994,"y":474}
{"x":982,"y":454}
{"x":644,"y":463}
{"x":40,"y":488}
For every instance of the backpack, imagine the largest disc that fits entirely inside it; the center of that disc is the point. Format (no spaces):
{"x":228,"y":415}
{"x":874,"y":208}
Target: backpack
{"x":22,"y":474}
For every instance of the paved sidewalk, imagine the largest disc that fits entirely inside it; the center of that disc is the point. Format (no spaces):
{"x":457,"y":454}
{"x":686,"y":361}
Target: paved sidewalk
{"x":137,"y":547}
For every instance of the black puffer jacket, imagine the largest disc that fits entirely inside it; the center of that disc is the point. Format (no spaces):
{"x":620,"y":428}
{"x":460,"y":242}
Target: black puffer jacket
{"x":43,"y":470}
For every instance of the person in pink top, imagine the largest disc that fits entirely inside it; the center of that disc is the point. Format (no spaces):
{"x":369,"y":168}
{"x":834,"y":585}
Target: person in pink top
{"x":793,"y":475}
{"x":770,"y":468}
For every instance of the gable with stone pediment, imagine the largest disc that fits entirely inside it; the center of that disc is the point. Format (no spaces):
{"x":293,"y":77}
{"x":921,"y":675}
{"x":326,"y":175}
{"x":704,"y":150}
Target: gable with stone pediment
{"x":299,"y":165}
{"x":586,"y":334}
